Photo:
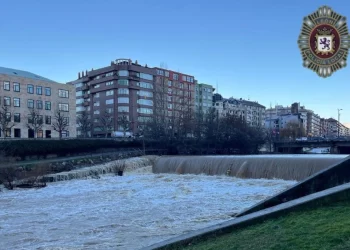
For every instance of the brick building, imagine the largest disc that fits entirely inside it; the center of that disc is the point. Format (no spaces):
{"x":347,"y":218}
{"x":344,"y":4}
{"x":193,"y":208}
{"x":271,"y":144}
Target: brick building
{"x":127,"y":89}
{"x":22,"y":91}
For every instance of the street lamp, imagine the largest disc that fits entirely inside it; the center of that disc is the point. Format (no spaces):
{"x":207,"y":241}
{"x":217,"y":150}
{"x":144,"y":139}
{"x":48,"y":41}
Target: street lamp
{"x":339,"y":120}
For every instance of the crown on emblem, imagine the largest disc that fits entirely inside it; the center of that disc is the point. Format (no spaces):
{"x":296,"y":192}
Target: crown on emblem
{"x":324,"y":31}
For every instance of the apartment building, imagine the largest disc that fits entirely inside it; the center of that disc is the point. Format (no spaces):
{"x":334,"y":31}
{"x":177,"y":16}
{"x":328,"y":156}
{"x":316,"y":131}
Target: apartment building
{"x":298,"y":114}
{"x":22,"y":91}
{"x":252,"y":112}
{"x":331,"y":128}
{"x":203,"y":97}
{"x":135,"y":92}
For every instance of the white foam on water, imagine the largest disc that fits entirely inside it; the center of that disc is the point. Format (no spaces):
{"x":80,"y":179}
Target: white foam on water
{"x":128,"y":212}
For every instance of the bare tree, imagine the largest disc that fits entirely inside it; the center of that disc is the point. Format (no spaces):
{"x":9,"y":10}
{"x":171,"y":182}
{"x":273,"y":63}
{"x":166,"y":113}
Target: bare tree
{"x":106,"y":123}
{"x":84,"y":123}
{"x":124,"y":123}
{"x":35,"y":121}
{"x":292,"y":130}
{"x":5,"y":120}
{"x":61,"y":122}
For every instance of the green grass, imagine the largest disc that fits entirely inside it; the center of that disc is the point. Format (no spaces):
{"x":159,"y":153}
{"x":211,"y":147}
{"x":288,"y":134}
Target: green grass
{"x":322,"y":228}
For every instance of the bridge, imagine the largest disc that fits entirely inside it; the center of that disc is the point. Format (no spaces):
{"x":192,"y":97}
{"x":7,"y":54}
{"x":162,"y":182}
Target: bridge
{"x":296,"y":147}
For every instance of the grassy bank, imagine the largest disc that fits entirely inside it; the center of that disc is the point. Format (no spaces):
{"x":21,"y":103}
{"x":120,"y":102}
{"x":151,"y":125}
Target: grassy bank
{"x":325,"y":228}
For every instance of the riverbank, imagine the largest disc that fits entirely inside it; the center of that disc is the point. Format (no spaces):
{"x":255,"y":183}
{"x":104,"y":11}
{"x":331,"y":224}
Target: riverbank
{"x":326,"y":227}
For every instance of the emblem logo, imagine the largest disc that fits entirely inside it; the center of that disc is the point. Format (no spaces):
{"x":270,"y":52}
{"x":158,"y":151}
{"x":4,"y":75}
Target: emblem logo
{"x":324,"y":41}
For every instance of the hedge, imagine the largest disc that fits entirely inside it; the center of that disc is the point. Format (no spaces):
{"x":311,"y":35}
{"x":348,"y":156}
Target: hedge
{"x":23,"y":148}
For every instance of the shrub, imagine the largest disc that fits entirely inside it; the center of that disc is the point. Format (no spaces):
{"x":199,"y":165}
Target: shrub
{"x":41,"y":148}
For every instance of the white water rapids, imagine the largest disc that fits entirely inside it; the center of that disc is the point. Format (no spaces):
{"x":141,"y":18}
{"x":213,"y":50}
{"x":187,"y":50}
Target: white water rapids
{"x":128,"y":212}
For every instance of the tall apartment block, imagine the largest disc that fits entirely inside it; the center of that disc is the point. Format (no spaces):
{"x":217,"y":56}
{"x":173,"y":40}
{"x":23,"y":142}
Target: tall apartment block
{"x":22,"y":91}
{"x":204,"y":97}
{"x":126,"y":88}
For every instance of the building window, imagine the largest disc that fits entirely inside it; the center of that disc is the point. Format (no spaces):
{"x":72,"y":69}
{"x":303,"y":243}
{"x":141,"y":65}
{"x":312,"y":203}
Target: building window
{"x":79,"y":84}
{"x":109,"y":74}
{"x":7,"y":86}
{"x":16,"y":87}
{"x":145,"y":102}
{"x":145,"y":93}
{"x":79,"y":101}
{"x":31,"y":104}
{"x":39,"y":104}
{"x":8,"y":116}
{"x":145,"y":111}
{"x":7,"y":101}
{"x":109,"y":110}
{"x":17,"y":117}
{"x":160,"y":72}
{"x":145,"y":85}
{"x":96,"y":112}
{"x":123,"y":91}
{"x":8,"y":132}
{"x":166,"y":73}
{"x":123,"y":82}
{"x":66,"y":120}
{"x":109,"y":92}
{"x":63,"y":107}
{"x":109,"y":83}
{"x":47,"y":119}
{"x":47,"y":105}
{"x":16,"y":102}
{"x":40,"y":134}
{"x":144,"y":119}
{"x":169,"y":83}
{"x":97,"y":104}
{"x":39,"y":90}
{"x":123,"y":109}
{"x":97,"y":95}
{"x":96,"y":86}
{"x":146,"y":76}
{"x":79,"y":93}
{"x":63,"y":93}
{"x":175,"y":76}
{"x":183,"y":78}
{"x":123,"y":99}
{"x":123,"y":73}
{"x":48,"y":91}
{"x":30,"y":89}
{"x":109,"y":101}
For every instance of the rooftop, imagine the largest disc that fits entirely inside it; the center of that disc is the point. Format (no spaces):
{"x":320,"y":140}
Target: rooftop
{"x":21,"y":73}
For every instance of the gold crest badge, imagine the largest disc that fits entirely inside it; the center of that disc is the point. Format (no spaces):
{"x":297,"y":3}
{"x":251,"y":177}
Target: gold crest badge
{"x":324,"y":41}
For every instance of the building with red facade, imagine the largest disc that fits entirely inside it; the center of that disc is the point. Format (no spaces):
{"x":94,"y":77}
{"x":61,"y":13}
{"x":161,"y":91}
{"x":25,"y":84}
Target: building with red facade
{"x":128,"y":91}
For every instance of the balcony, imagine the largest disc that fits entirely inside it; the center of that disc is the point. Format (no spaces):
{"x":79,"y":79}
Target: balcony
{"x":86,"y":96}
{"x":86,"y":103}
{"x":85,"y":87}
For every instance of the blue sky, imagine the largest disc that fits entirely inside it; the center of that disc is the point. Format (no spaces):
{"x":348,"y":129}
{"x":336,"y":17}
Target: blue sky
{"x":249,"y":48}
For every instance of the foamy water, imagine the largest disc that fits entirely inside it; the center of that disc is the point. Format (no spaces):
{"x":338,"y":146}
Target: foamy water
{"x":128,"y":212}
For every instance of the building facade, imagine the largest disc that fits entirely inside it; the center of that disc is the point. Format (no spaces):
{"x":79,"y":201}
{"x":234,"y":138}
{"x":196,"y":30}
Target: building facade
{"x":252,"y":112}
{"x":138,"y":93}
{"x":22,"y":92}
{"x":203,"y":97}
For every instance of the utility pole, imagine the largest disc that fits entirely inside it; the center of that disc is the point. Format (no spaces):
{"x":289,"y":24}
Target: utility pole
{"x":339,"y":121}
{"x":270,"y":131}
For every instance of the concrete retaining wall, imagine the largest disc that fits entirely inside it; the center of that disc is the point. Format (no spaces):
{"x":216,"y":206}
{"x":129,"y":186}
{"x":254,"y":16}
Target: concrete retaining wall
{"x":328,"y":196}
{"x":332,"y":176}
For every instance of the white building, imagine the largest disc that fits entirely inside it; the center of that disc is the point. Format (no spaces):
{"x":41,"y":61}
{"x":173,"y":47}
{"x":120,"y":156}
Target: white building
{"x":252,"y":112}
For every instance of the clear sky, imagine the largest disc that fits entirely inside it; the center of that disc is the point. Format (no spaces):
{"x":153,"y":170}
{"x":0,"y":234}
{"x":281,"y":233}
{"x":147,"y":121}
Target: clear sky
{"x":249,"y":47}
